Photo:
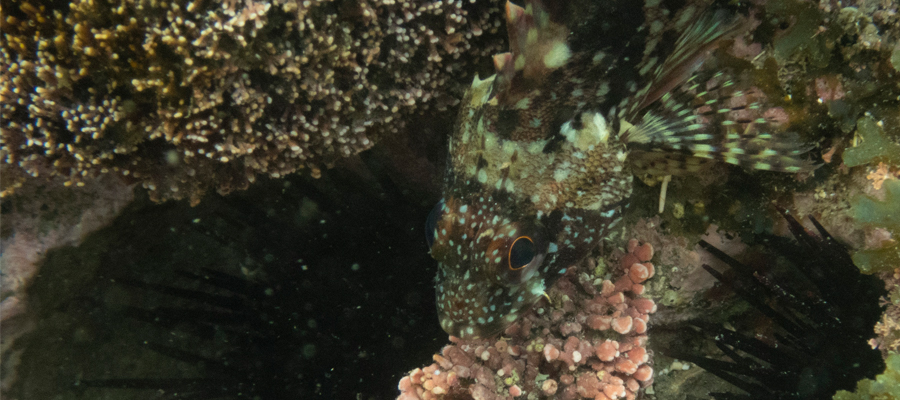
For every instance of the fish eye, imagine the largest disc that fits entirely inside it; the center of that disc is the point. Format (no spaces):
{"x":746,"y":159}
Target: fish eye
{"x":521,"y":253}
{"x":431,"y":222}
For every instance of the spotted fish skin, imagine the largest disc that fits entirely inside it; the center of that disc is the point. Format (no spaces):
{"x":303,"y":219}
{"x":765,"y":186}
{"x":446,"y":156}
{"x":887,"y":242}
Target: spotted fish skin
{"x":545,"y":151}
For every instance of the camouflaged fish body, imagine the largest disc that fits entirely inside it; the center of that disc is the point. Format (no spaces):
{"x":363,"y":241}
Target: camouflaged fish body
{"x":545,"y":151}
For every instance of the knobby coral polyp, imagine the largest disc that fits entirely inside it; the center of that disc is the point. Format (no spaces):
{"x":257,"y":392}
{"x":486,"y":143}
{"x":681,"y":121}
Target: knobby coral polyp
{"x":188,"y":96}
{"x":589,"y":340}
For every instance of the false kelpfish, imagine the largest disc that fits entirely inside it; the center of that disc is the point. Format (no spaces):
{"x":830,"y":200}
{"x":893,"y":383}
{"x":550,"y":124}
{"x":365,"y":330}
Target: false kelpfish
{"x":545,"y":151}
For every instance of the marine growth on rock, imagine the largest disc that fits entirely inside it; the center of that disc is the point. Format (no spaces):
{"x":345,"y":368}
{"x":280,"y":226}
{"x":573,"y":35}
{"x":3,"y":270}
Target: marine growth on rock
{"x":188,"y":96}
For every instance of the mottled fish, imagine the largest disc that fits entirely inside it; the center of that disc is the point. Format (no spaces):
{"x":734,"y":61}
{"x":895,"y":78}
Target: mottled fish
{"x":545,"y":151}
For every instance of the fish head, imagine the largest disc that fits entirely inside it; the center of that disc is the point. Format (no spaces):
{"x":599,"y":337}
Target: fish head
{"x":494,"y":263}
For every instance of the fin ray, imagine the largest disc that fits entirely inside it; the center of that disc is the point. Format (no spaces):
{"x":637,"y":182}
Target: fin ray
{"x":537,"y":45}
{"x":708,"y":118}
{"x":691,"y":49}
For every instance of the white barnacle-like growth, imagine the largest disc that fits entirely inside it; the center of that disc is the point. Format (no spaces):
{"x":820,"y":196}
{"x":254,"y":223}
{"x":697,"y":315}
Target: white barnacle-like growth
{"x":538,"y":287}
{"x":558,"y":55}
{"x":593,"y":132}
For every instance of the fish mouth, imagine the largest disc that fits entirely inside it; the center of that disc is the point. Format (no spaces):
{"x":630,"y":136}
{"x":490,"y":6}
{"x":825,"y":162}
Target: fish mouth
{"x":472,"y":310}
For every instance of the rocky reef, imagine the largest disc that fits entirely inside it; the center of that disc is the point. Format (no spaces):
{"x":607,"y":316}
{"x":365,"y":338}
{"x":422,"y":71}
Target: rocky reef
{"x":184,"y":99}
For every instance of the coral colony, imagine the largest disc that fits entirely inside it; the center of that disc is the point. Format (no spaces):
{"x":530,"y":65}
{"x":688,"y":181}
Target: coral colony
{"x":590,"y":343}
{"x":184,"y":97}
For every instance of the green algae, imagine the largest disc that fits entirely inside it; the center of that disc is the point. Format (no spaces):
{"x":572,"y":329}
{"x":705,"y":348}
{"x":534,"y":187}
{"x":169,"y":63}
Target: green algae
{"x":874,"y":146}
{"x":670,"y":298}
{"x":884,"y":387}
{"x":803,"y":38}
{"x":895,"y":57}
{"x":883,"y":259}
{"x":512,"y":380}
{"x":871,"y":212}
{"x":885,"y":213}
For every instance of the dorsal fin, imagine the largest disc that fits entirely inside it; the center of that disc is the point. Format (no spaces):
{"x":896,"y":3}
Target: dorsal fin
{"x":537,"y":45}
{"x":691,"y":49}
{"x":709,"y":117}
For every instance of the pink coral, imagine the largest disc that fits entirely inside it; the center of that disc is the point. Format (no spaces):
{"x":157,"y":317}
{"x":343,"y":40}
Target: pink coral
{"x":588,"y":341}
